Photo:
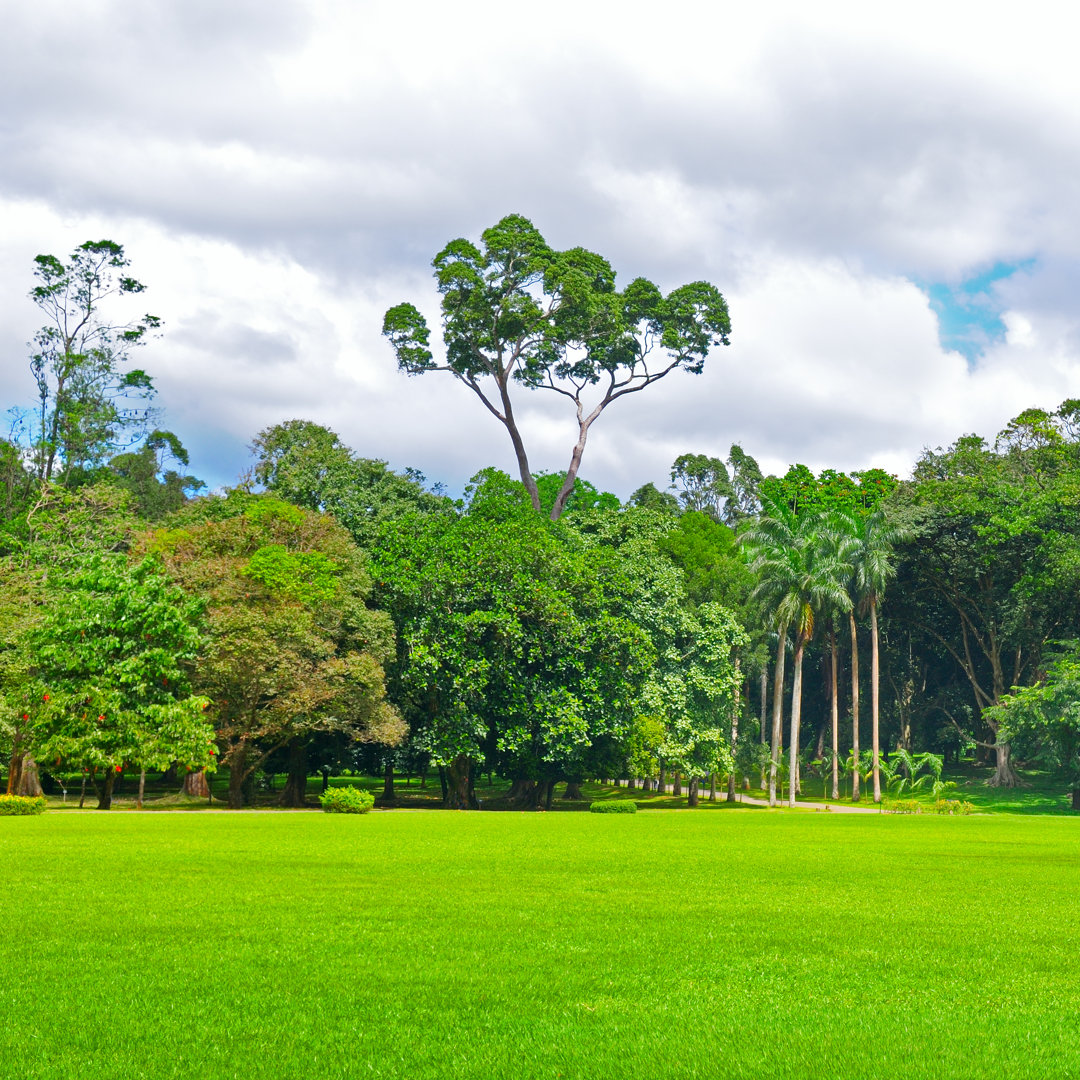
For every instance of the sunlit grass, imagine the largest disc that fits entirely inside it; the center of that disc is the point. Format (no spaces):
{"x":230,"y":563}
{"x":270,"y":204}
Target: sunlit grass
{"x":745,"y":943}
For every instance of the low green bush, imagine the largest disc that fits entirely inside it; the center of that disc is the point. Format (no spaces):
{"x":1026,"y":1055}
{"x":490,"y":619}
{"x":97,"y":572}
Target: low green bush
{"x":953,"y":806}
{"x":621,"y":806}
{"x":22,"y":805}
{"x":903,"y":806}
{"x":346,"y":800}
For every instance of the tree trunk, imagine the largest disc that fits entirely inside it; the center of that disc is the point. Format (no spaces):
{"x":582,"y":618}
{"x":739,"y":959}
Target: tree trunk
{"x":676,"y":787}
{"x":105,"y":792}
{"x":764,"y":703}
{"x":294,"y":793}
{"x":29,"y":781}
{"x":663,"y":780}
{"x":15,"y":770}
{"x":692,"y":792}
{"x":712,"y":787}
{"x":142,"y":789}
{"x":796,"y":717}
{"x":573,"y":790}
{"x":874,"y":680}
{"x":778,"y":710}
{"x":195,"y":785}
{"x":1076,"y":798}
{"x":1004,"y":773}
{"x":237,"y":776}
{"x":387,"y":797}
{"x":854,"y":707}
{"x":835,"y":717}
{"x":459,"y":793}
{"x":82,"y":791}
{"x":734,"y":734}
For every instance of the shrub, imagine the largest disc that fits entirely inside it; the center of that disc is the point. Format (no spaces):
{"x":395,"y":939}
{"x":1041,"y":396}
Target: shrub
{"x":953,"y":806}
{"x":22,"y":805}
{"x":346,"y":800}
{"x":620,"y":806}
{"x":903,"y":806}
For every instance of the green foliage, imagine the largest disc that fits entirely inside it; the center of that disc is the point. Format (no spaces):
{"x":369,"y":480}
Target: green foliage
{"x":22,"y":805}
{"x":514,"y":643}
{"x":346,"y":800}
{"x":86,"y":402}
{"x":309,"y":466}
{"x":856,"y":493}
{"x":613,"y":806}
{"x":953,"y":806}
{"x":291,"y":646}
{"x":109,"y":681}
{"x":302,"y":575}
{"x":902,"y":806}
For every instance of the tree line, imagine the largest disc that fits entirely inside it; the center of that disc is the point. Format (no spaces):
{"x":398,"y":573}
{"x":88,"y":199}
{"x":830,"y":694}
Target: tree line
{"x":332,"y":613}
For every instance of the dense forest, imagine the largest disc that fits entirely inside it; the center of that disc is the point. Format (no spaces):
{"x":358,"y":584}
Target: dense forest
{"x":330,"y":613}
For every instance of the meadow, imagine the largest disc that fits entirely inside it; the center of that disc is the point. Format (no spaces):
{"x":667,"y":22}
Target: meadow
{"x":431,"y":944}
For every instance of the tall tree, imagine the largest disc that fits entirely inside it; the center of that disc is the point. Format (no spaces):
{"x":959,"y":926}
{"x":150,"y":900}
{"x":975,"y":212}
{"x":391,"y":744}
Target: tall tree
{"x":518,"y":313}
{"x":869,"y":548}
{"x":88,"y":407}
{"x":800,"y":575}
{"x":291,"y":647}
{"x":110,"y":684}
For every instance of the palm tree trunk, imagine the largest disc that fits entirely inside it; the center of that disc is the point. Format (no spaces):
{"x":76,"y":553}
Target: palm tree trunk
{"x":778,"y":710}
{"x":854,"y":708}
{"x":874,"y":677}
{"x":734,"y":733}
{"x":835,"y":718}
{"x":796,"y":717}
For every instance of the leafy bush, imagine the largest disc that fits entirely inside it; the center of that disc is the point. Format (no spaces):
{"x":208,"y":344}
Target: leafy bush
{"x":346,"y":800}
{"x":621,"y":806}
{"x":903,"y":806}
{"x":953,"y":806}
{"x":21,"y":805}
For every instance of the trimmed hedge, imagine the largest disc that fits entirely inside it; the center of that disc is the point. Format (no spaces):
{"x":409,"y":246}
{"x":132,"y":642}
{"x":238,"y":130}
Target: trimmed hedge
{"x":613,"y":806}
{"x":346,"y":800}
{"x":22,"y":805}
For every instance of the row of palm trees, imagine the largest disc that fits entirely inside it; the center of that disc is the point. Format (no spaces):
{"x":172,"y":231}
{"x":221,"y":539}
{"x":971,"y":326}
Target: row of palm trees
{"x":818,"y":565}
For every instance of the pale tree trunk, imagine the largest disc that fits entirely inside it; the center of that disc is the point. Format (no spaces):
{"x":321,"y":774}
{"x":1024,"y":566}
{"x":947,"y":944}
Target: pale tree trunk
{"x":796,"y":717}
{"x":142,"y":789}
{"x":764,"y":710}
{"x":1004,"y":773}
{"x":874,"y":679}
{"x":778,"y":711}
{"x":835,"y":719}
{"x":712,"y":787}
{"x":854,"y":707}
{"x":29,"y":781}
{"x":734,"y":734}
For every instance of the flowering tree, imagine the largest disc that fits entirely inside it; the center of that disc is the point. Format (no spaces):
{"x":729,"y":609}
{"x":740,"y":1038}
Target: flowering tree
{"x":108,"y":686}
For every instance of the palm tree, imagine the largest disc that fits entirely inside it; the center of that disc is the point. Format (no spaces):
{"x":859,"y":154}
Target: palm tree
{"x":870,"y":539}
{"x":795,"y":557}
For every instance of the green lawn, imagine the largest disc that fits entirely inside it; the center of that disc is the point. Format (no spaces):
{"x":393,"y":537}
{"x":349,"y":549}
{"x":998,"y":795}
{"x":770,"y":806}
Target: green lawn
{"x":752,"y":943}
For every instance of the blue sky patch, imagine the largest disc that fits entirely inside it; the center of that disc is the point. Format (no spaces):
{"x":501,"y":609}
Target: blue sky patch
{"x":969,"y":313}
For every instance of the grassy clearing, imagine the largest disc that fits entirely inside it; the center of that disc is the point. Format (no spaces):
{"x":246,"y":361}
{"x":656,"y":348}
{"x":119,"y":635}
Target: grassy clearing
{"x":747,"y":943}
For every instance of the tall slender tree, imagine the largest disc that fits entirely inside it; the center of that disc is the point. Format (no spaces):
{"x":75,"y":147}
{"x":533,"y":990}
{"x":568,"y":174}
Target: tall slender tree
{"x":801,"y":574}
{"x":869,"y":543}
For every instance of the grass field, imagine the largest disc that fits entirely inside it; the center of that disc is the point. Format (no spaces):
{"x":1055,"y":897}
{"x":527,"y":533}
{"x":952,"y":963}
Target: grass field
{"x":747,"y":943}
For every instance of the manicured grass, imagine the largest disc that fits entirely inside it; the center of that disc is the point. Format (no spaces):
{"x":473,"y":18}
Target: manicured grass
{"x":742,"y":944}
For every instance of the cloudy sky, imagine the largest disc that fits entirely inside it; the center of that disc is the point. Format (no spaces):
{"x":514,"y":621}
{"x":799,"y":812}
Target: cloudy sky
{"x":887,"y":197}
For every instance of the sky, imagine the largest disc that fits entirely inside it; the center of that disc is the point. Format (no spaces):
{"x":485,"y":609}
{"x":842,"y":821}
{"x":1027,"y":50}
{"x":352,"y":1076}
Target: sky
{"x":886,"y":196}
